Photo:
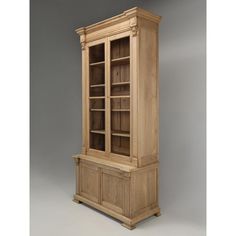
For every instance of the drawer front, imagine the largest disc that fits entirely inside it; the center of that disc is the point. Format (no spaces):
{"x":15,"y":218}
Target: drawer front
{"x":89,"y":181}
{"x":115,"y":191}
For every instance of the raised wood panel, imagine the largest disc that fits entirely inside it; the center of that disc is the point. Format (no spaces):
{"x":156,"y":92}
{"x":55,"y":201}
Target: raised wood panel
{"x":115,"y":192}
{"x":129,"y":192}
{"x":144,"y":190}
{"x":147,"y":91}
{"x":89,"y":182}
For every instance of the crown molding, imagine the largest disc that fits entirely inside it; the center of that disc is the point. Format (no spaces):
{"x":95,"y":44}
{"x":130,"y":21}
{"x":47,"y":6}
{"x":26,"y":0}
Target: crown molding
{"x":132,"y":14}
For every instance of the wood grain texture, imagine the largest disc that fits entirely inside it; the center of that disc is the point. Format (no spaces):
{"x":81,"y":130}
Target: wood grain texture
{"x":117,"y":171}
{"x":127,"y":192}
{"x":147,"y":92}
{"x":89,"y":182}
{"x":129,"y":196}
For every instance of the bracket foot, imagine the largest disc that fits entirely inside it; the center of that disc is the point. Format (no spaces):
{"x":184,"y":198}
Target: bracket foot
{"x":130,"y":227}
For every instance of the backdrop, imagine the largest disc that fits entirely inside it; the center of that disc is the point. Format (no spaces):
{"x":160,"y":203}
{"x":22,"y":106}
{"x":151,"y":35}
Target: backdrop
{"x":56,"y":117}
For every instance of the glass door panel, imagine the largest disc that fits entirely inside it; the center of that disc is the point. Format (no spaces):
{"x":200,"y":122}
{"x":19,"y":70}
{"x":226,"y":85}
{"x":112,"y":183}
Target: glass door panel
{"x":97,"y":97}
{"x":120,"y":96}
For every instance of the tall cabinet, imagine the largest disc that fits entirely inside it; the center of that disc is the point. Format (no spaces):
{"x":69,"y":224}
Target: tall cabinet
{"x":117,"y":169}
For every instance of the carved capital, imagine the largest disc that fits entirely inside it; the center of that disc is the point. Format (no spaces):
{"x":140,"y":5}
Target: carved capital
{"x":83,"y":41}
{"x":133,"y":23}
{"x":82,"y":33}
{"x":77,"y":160}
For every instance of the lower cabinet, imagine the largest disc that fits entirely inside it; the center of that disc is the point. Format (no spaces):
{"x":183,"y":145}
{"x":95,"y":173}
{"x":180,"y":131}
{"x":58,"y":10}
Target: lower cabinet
{"x":110,"y":188}
{"x":129,"y":196}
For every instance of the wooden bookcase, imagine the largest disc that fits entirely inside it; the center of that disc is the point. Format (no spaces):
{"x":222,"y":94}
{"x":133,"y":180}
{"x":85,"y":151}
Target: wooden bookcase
{"x":117,"y":170}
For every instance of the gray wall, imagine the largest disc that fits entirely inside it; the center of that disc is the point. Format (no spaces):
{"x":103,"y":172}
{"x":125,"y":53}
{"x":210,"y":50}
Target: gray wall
{"x":56,"y":99}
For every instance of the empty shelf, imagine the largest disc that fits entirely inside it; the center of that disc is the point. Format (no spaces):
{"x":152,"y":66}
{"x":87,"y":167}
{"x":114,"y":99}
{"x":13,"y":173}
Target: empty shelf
{"x":98,"y":131}
{"x":100,"y":97}
{"x":120,"y":110}
{"x":97,"y":109}
{"x":121,"y":96}
{"x":97,"y":85}
{"x":120,"y":133}
{"x":121,"y":60}
{"x":120,"y":83}
{"x":100,"y":63}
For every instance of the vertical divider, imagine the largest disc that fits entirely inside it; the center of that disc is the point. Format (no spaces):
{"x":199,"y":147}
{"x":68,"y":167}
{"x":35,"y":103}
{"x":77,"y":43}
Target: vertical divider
{"x":84,"y":99}
{"x":107,"y":97}
{"x":77,"y":173}
{"x":134,"y":96}
{"x":87,"y":104}
{"x":99,"y":185}
{"x":131,"y":63}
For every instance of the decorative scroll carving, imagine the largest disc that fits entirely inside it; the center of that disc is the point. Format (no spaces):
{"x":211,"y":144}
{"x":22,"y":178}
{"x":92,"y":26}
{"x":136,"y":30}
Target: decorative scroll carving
{"x":82,"y":34}
{"x":133,"y":23}
{"x":82,"y":41}
{"x":76,"y":160}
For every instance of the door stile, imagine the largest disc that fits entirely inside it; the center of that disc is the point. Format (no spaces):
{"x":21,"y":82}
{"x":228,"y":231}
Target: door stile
{"x":91,"y":151}
{"x":107,"y":97}
{"x":86,"y":103}
{"x":134,"y":66}
{"x":132,"y":72}
{"x":131,"y":95}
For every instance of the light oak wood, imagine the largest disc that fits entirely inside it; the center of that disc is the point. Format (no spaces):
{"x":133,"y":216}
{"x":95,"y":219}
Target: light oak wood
{"x":126,"y":194}
{"x":117,"y":170}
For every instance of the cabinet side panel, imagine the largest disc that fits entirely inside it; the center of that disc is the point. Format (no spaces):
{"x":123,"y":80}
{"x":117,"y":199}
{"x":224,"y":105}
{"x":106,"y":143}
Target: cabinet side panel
{"x":144,"y":187}
{"x":148,"y":93}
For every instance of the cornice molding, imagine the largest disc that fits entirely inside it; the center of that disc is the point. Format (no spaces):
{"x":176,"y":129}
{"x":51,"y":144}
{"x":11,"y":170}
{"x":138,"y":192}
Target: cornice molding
{"x":82,"y":33}
{"x":128,"y":14}
{"x":133,"y":22}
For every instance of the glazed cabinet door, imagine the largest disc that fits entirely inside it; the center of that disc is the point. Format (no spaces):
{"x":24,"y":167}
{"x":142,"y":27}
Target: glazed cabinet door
{"x":119,"y":94}
{"x":112,"y":102}
{"x":96,"y":91}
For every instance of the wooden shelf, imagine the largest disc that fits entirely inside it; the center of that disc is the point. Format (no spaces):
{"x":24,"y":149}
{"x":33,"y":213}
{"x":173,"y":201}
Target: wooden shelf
{"x":100,"y":63}
{"x":120,"y":110}
{"x":100,"y":97}
{"x":121,"y":96}
{"x":121,"y":60}
{"x":97,"y":85}
{"x":120,"y":83}
{"x":120,"y":133}
{"x":98,"y":131}
{"x":97,"y":109}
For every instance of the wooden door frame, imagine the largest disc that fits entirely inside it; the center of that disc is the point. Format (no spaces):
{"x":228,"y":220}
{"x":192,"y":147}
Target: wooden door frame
{"x":91,"y":151}
{"x":119,"y":157}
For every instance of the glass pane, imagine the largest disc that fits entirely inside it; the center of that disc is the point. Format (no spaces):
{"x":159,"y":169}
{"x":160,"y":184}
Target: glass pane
{"x":97,"y":97}
{"x":120,"y":104}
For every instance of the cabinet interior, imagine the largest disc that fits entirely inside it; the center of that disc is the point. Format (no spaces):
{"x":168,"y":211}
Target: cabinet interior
{"x":97,"y":96}
{"x":120,"y":89}
{"x":119,"y":96}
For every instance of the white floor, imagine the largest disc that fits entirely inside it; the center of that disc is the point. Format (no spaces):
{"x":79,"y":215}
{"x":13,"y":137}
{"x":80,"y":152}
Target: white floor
{"x":54,"y":213}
